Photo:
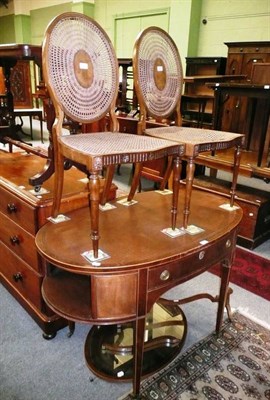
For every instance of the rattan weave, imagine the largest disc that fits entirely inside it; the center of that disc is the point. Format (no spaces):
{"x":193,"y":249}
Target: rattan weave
{"x":106,"y":148}
{"x":87,"y":94}
{"x":203,"y":139}
{"x":158,"y":56}
{"x":116,"y":143}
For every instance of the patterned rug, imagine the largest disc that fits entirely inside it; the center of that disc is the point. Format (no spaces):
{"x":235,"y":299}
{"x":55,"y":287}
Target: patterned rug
{"x":232,"y":366}
{"x":250,"y":271}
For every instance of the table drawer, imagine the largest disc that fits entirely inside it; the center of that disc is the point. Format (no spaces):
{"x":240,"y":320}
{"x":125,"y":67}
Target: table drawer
{"x":19,"y":241}
{"x":189,"y":266}
{"x":18,"y":210}
{"x":21,"y":277}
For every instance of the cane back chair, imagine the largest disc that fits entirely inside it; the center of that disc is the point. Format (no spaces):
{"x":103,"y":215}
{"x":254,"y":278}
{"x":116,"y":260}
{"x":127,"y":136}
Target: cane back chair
{"x":81,"y":73}
{"x":158,"y":80}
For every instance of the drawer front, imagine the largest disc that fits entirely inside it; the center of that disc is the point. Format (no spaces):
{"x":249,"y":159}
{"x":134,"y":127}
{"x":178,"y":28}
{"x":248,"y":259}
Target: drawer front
{"x":190,"y":266}
{"x":18,"y":210}
{"x":248,"y":223}
{"x":20,"y":276}
{"x":251,"y":49}
{"x":19,"y":241}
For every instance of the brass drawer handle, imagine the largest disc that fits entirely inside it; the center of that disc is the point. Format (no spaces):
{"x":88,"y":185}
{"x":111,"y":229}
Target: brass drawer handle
{"x":11,"y":207}
{"x":164,"y":276}
{"x":14,"y":240}
{"x":18,"y":277}
{"x":201,"y":255}
{"x":228,"y":244}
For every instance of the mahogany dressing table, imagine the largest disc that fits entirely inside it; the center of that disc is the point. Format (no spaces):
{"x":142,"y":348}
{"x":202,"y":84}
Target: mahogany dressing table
{"x":118,"y":294}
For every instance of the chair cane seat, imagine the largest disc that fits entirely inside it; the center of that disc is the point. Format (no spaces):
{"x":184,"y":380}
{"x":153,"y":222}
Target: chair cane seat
{"x":113,"y":148}
{"x":197,"y":140}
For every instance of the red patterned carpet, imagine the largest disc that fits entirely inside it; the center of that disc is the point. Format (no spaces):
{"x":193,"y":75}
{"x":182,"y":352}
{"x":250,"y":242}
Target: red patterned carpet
{"x":250,"y":271}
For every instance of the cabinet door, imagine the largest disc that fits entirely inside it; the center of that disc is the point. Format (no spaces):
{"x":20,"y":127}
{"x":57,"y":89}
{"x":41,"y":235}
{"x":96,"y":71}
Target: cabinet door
{"x":250,"y":59}
{"x":234,"y":64}
{"x":21,"y":85}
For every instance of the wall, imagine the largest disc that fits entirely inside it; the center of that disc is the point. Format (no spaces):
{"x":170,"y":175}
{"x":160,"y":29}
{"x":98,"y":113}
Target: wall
{"x":227,"y":20}
{"x":232,"y":21}
{"x":25,"y":21}
{"x":181,"y":13}
{"x":7,"y":34}
{"x":40,"y":17}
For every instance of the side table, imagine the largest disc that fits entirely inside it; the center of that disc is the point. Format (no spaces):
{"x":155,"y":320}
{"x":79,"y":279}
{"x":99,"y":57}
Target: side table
{"x":142,"y":264}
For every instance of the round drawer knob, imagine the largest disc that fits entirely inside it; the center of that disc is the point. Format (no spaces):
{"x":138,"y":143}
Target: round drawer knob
{"x":17,"y":277}
{"x":11,"y":208}
{"x":228,"y":244}
{"x":201,"y":255}
{"x":164,"y":276}
{"x":14,"y":240}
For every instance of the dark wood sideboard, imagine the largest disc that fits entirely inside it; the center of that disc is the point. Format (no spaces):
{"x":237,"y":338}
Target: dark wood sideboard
{"x":198,"y":100}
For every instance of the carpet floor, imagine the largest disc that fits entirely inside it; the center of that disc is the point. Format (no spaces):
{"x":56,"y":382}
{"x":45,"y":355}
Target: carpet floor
{"x":233,"y":365}
{"x":251,"y":272}
{"x":32,"y":368}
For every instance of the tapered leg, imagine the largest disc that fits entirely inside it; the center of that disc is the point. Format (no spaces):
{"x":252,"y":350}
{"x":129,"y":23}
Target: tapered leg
{"x":58,"y":182}
{"x":167,"y":173}
{"x":176,"y":178}
{"x":223,"y":293}
{"x":135,"y":180}
{"x":94,"y":190}
{"x":237,"y":158}
{"x":107,"y":184}
{"x":138,"y":341}
{"x":189,"y":182}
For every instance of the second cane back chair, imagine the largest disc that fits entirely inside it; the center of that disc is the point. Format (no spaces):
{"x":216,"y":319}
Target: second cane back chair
{"x":81,"y":73}
{"x":158,"y":80}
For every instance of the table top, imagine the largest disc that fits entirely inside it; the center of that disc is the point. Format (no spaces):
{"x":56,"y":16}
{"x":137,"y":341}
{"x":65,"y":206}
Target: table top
{"x":212,"y":78}
{"x":243,"y":86}
{"x":132,"y":236}
{"x":19,"y":50}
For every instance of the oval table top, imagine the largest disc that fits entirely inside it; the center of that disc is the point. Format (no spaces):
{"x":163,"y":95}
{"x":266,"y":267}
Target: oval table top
{"x":132,"y":236}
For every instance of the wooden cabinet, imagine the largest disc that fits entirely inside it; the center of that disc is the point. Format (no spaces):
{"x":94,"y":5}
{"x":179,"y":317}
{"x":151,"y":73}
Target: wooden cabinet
{"x":254,"y":227}
{"x":241,"y":58}
{"x":22,"y":213}
{"x":127,"y":100}
{"x":197,"y":100}
{"x":20,"y":80}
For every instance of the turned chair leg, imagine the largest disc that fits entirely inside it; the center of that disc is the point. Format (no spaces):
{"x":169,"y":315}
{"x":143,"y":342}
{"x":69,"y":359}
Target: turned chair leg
{"x":58,"y":183}
{"x":176,"y":178}
{"x":167,"y":174}
{"x":135,"y":181}
{"x":107,"y":184}
{"x":94,"y":195}
{"x":189,"y":183}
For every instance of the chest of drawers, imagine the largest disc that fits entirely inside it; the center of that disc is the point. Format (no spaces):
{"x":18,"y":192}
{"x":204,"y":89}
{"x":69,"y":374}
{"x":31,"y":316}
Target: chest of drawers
{"x":22,"y":213}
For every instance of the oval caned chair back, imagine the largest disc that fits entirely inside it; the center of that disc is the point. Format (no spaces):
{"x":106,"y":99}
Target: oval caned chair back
{"x":158,"y":73}
{"x":80,"y":67}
